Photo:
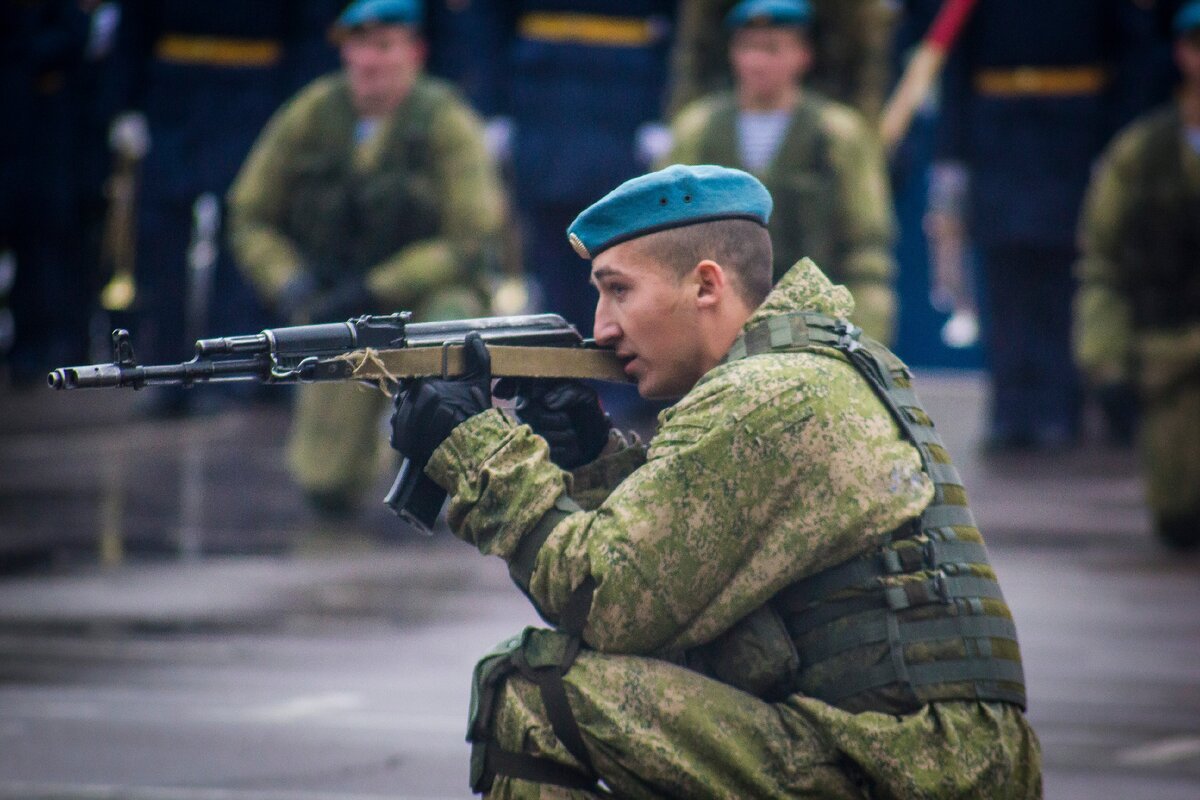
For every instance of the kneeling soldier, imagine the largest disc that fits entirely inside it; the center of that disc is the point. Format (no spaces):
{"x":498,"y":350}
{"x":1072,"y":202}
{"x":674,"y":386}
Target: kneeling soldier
{"x":784,"y":595}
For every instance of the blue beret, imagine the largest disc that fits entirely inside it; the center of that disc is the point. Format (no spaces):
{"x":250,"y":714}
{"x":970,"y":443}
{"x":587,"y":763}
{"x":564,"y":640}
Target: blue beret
{"x":380,"y":12}
{"x":670,"y":198}
{"x":769,"y":12}
{"x":1188,"y":18}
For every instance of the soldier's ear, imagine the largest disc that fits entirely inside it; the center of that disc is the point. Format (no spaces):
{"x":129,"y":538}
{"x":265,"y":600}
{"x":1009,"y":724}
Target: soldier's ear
{"x":711,"y":282}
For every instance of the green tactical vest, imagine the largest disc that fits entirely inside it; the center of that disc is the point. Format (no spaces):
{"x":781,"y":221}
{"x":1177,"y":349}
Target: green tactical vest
{"x":1161,"y":247}
{"x":348,"y":220}
{"x":919,"y":619}
{"x":804,"y":221}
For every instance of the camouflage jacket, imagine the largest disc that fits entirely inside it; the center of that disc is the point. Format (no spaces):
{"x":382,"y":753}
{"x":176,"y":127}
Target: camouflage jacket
{"x":770,"y":469}
{"x":409,"y":210}
{"x":829,"y":183}
{"x":1137,"y":180}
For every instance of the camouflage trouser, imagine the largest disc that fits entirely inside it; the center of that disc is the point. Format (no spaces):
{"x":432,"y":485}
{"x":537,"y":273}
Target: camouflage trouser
{"x":655,"y":730}
{"x":1170,"y":437}
{"x":337,"y":429}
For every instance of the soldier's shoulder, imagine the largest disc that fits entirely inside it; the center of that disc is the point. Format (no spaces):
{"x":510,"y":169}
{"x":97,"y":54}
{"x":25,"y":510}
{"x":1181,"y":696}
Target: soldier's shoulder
{"x":838,"y":120}
{"x":698,"y":113}
{"x":1130,"y":144}
{"x":693,"y":124}
{"x":753,"y":385}
{"x":441,"y":93}
{"x":1138,"y":133}
{"x":448,"y":108}
{"x":316,"y":95}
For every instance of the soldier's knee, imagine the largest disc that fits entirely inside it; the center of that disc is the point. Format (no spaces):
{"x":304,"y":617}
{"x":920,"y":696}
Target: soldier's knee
{"x":519,"y":708}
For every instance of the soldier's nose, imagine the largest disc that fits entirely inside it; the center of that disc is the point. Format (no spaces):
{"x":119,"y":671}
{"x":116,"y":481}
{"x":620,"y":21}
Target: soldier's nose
{"x":606,"y":331}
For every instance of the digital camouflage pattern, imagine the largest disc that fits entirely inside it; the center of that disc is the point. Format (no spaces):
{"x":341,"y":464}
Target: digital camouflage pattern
{"x":851,"y":49}
{"x":830,"y":186}
{"x":1111,"y":343}
{"x":772,"y":468}
{"x":413,"y":211}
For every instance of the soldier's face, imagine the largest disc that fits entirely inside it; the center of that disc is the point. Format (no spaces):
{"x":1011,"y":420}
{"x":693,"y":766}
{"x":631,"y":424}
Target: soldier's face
{"x":381,"y":63}
{"x":648,"y":314}
{"x":768,"y":61}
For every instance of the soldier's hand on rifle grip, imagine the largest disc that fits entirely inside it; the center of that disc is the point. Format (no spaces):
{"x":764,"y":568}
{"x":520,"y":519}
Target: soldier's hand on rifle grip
{"x":426,"y":411}
{"x":566,"y":413}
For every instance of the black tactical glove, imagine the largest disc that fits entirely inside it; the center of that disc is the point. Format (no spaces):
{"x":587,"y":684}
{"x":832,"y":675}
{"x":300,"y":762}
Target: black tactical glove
{"x":428,"y":409}
{"x":567,"y":414}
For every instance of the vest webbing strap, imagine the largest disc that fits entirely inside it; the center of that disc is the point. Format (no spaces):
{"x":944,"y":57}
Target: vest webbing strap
{"x":888,"y":561}
{"x":947,"y":516}
{"x":922,"y":434}
{"x":939,"y":588}
{"x":944,"y":473}
{"x":872,"y":627}
{"x":925,"y":674}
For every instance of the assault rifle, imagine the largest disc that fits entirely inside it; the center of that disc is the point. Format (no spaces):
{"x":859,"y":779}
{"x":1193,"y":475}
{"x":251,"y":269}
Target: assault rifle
{"x":379,"y":350}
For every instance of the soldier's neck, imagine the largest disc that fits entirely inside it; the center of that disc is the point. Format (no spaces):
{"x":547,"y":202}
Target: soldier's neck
{"x":782,"y":100}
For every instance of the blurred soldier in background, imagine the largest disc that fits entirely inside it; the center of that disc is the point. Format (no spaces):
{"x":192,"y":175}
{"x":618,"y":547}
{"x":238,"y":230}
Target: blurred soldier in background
{"x":98,"y":98}
{"x":202,"y":79}
{"x":823,"y":166}
{"x":573,"y":90}
{"x":44,"y":45}
{"x":725,"y":600}
{"x":850,"y":40}
{"x":459,"y":34}
{"x":1137,"y":312}
{"x":571,"y":83}
{"x":370,"y":191}
{"x":1032,"y":92}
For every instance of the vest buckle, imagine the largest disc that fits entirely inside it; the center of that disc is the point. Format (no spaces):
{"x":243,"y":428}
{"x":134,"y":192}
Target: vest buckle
{"x":847,"y":333}
{"x":930,"y":555}
{"x":940,"y":587}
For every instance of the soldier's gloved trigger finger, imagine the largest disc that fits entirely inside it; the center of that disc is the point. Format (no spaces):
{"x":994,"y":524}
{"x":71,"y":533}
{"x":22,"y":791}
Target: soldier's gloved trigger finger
{"x":505,"y":388}
{"x":477,"y":362}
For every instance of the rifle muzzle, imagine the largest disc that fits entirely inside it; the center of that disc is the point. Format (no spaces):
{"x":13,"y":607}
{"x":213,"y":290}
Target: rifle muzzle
{"x":89,"y":377}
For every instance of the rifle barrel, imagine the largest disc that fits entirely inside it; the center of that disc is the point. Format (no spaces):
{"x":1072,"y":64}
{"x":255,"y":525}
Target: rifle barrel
{"x":94,"y":376}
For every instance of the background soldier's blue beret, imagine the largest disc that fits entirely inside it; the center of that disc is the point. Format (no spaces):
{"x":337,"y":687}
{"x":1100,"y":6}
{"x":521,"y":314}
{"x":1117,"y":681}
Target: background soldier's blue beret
{"x":1188,"y":18}
{"x":380,"y":12}
{"x":670,"y":198}
{"x":769,"y":12}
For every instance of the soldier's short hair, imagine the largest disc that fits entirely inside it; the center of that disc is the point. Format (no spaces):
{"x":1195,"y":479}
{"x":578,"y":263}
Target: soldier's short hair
{"x":742,"y":247}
